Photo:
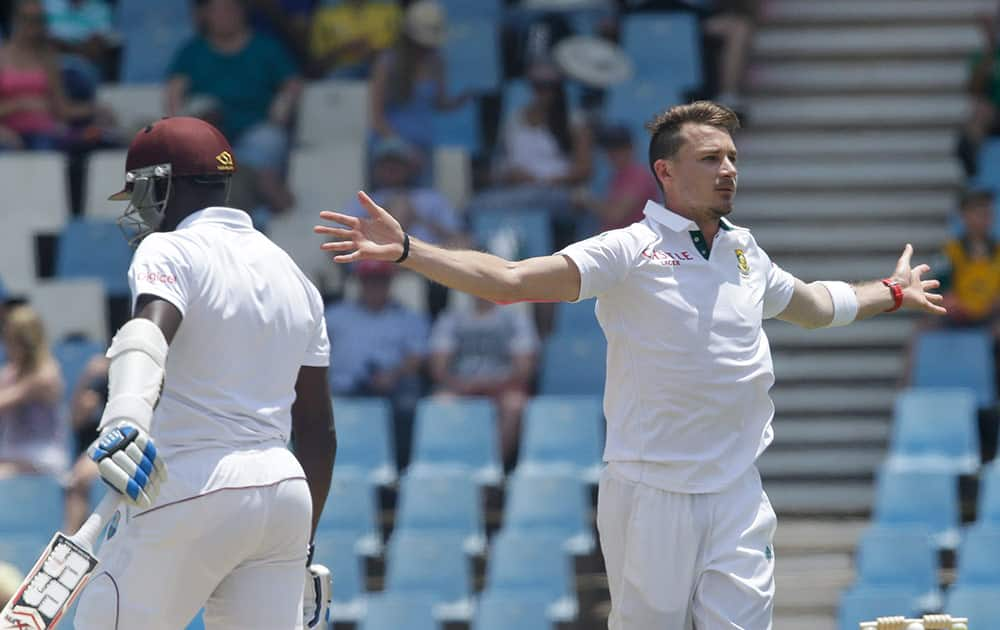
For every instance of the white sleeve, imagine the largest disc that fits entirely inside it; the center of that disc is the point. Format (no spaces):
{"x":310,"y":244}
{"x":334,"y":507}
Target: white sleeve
{"x":779,"y":288}
{"x":162,"y":268}
{"x":603,"y":261}
{"x":318,"y":352}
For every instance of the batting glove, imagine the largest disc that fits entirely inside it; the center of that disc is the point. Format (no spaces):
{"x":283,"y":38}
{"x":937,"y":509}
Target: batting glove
{"x":128,"y":462}
{"x":316,"y":598}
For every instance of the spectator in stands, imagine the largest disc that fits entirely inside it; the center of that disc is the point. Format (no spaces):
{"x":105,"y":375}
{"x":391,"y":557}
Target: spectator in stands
{"x":32,"y":432}
{"x":487,"y":350}
{"x":409,"y":81}
{"x":83,"y":29}
{"x":286,"y":21}
{"x":379,"y":349}
{"x":970,"y":272}
{"x":247,"y":85}
{"x":984,"y":87}
{"x":347,"y":37}
{"x":395,"y":179}
{"x":729,"y":30}
{"x":631,"y":182}
{"x":33,"y":104}
{"x":87,"y":405}
{"x":10,"y":581}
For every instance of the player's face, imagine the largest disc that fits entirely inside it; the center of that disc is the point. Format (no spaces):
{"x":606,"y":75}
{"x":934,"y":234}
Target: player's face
{"x":702,"y":175}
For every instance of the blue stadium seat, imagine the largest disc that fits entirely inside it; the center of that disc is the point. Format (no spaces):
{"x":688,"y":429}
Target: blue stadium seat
{"x":534,"y":566}
{"x":868,"y":603}
{"x":457,"y":434}
{"x":936,"y":428}
{"x":988,"y":175}
{"x":980,"y":604}
{"x":463,"y":10}
{"x":989,"y":495}
{"x":336,"y":551}
{"x":472,"y":55}
{"x":531,"y":229}
{"x":390,"y":611}
{"x":198,"y":623}
{"x":73,"y":355}
{"x":442,"y":502}
{"x":364,"y":440}
{"x":577,"y":317}
{"x":32,"y":503}
{"x":459,"y":128}
{"x":979,"y":556}
{"x":900,"y":557}
{"x":506,"y":612}
{"x":351,"y":509}
{"x":956,"y":358}
{"x":564,"y":432}
{"x":22,"y":549}
{"x":638,"y":100}
{"x":919,"y":498}
{"x":432,"y":566}
{"x":664,"y":47}
{"x":550,"y":503}
{"x":573,"y":363}
{"x":95,"y":249}
{"x":152,"y":33}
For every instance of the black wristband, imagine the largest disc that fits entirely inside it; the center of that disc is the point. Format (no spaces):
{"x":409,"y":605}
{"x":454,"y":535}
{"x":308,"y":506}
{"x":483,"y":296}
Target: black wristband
{"x":406,"y":249}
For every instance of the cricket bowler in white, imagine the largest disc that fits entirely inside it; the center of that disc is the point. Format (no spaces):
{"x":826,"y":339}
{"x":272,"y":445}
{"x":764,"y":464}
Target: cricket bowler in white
{"x":686,"y":528}
{"x":216,"y":511}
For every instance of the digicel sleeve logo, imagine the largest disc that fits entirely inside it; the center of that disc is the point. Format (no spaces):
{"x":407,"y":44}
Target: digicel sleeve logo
{"x":225,"y":161}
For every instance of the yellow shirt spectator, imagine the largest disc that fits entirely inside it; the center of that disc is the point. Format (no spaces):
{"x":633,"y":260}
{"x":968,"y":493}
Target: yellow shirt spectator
{"x":346,"y":37}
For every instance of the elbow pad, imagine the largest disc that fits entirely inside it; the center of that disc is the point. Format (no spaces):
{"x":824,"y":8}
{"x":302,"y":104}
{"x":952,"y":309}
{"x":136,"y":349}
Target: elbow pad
{"x":138,"y":356}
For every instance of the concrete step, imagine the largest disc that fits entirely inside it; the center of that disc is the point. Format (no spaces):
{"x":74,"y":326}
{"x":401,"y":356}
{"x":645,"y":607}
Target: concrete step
{"x":876,"y":41}
{"x":842,"y":205}
{"x":827,"y":399}
{"x":810,"y":584}
{"x":832,"y":77}
{"x":791,"y":432}
{"x":853,"y":268}
{"x":932,"y":111}
{"x":884,"y":332}
{"x":862,"y":173}
{"x":827,"y":464}
{"x":834,"y":366}
{"x":817,"y":498}
{"x":873,"y":11}
{"x":896,"y":144}
{"x":800,"y":535}
{"x":869,"y":237}
{"x":785,"y":620}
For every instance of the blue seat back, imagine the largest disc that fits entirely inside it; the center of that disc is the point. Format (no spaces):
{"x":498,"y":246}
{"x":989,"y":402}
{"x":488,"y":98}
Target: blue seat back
{"x":459,"y":432}
{"x":956,"y":358}
{"x":32,"y":503}
{"x":90,"y":248}
{"x":664,"y":47}
{"x":979,"y":556}
{"x":152,"y":32}
{"x":546,"y":503}
{"x":531,"y":229}
{"x":428,"y":565}
{"x":936,"y":422}
{"x":564,"y":430}
{"x":869,"y":603}
{"x":920,"y":498}
{"x":364,"y":441}
{"x":903,"y":557}
{"x":472,"y":55}
{"x":497,"y":611}
{"x":529,"y":564}
{"x":350,"y":507}
{"x":336,"y":551}
{"x":980,"y":604}
{"x":390,"y":611}
{"x":443,"y":502}
{"x":574,"y":363}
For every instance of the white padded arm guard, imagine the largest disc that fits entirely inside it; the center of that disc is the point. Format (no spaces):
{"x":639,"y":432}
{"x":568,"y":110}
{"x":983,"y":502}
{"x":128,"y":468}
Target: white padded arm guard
{"x":845,"y":302}
{"x":138,"y":355}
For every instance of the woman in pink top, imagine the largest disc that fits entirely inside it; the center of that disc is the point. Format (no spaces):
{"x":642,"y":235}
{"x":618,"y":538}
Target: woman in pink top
{"x":32,"y":103}
{"x":631,"y":186}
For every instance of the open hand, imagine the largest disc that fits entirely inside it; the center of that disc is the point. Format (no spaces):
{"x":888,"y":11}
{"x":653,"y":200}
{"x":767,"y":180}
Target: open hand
{"x":916,"y":292}
{"x":377,"y":237}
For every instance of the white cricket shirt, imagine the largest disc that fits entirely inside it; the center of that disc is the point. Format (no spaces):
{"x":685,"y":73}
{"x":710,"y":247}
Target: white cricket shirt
{"x":688,"y":365}
{"x":251,"y":320}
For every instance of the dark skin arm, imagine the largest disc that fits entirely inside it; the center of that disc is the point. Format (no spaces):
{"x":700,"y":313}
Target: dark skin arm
{"x":314,"y":434}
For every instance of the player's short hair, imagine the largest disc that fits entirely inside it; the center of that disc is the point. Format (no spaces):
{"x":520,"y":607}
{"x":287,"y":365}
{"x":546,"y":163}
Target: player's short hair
{"x":665,"y":128}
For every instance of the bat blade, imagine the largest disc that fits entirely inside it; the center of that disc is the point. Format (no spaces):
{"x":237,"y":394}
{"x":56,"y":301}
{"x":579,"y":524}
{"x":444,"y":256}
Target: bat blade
{"x":50,"y":587}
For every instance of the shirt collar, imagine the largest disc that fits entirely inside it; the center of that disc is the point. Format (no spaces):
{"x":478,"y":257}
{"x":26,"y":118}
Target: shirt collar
{"x":230,"y":217}
{"x":674,"y":221}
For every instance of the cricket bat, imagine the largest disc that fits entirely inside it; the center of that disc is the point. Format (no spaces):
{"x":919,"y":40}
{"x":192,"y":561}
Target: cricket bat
{"x":58,"y":576}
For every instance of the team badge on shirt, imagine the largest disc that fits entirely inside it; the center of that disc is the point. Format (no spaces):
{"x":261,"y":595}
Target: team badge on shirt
{"x":741,"y":263}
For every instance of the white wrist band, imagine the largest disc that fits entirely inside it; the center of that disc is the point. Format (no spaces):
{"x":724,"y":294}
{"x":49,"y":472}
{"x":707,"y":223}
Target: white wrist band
{"x":845,"y":302}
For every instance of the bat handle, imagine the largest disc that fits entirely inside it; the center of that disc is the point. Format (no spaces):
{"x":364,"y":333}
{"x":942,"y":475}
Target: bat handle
{"x":91,"y":528}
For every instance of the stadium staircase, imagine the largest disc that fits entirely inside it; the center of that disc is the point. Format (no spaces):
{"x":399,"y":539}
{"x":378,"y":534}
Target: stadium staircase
{"x":853,"y":108}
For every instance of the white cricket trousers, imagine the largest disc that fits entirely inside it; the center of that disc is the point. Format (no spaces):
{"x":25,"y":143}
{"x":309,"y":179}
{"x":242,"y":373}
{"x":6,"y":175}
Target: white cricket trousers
{"x":681,"y":561}
{"x":240,"y":553}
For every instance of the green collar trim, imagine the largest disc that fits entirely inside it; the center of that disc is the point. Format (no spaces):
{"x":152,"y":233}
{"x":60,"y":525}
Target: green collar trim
{"x":725,"y":224}
{"x":699,"y":243}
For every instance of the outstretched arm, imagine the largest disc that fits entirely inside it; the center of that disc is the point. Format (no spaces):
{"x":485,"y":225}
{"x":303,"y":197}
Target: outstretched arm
{"x":812,"y":305}
{"x":380,"y":237}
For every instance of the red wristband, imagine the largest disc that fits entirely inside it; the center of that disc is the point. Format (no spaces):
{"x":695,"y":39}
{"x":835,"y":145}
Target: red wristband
{"x":897,"y":294}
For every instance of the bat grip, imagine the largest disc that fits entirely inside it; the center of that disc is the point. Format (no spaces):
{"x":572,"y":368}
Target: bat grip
{"x":91,"y":528}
